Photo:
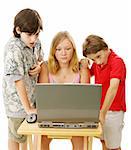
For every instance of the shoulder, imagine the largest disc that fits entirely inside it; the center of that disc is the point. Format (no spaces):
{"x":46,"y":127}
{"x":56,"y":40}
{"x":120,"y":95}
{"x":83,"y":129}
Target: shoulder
{"x":13,"y":49}
{"x":14,"y":44}
{"x":116,"y":60}
{"x":117,"y":67}
{"x":51,"y":79}
{"x":77,"y":78}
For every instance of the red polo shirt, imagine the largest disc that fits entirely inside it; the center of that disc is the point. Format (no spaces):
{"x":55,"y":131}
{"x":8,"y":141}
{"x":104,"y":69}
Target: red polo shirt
{"x":115,"y":68}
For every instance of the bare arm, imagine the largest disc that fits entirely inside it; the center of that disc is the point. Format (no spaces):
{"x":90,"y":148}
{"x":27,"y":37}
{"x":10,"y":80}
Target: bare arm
{"x":85,"y":75}
{"x":84,"y":71}
{"x":23,"y":96}
{"x":43,"y":75}
{"x":110,"y":95}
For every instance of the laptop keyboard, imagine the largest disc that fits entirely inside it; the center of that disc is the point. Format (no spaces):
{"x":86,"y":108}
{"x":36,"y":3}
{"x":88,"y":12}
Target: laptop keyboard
{"x":48,"y":124}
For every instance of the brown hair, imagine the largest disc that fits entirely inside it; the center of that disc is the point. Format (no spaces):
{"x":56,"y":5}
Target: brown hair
{"x":93,"y":44}
{"x":53,"y":64}
{"x":27,"y":20}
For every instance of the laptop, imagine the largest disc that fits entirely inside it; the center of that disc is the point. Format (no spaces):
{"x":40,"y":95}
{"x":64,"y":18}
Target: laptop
{"x":68,"y":105}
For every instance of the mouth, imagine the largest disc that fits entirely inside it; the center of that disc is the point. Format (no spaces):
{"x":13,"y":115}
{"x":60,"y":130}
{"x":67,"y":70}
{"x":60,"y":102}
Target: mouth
{"x":63,"y":57}
{"x":31,"y":44}
{"x":102,"y":64}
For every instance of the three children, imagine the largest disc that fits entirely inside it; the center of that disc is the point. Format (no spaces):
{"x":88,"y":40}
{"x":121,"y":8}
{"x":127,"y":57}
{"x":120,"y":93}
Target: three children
{"x":23,"y":62}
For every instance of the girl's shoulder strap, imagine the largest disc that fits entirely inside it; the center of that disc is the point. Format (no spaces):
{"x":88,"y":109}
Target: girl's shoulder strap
{"x":77,"y":78}
{"x":51,"y":80}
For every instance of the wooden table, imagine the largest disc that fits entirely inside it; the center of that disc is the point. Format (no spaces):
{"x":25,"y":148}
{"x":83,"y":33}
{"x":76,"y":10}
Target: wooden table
{"x":33,"y":129}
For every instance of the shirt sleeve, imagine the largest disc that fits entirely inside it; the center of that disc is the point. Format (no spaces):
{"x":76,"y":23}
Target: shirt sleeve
{"x":14,"y":67}
{"x":41,"y":55}
{"x":118,"y":69}
{"x":39,"y":51}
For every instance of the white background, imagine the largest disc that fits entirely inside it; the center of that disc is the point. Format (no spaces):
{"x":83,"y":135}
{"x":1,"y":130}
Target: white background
{"x":107,"y":18}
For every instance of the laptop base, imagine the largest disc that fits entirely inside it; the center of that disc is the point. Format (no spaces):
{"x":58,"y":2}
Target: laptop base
{"x":64,"y":125}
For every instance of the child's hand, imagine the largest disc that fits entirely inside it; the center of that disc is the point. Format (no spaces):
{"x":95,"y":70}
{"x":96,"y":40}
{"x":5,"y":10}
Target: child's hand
{"x":35,"y":70}
{"x":102,"y":117}
{"x":84,"y":64}
{"x":32,"y":111}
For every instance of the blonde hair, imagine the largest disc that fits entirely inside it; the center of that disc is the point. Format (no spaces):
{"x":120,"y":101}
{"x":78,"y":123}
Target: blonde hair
{"x":53,"y":64}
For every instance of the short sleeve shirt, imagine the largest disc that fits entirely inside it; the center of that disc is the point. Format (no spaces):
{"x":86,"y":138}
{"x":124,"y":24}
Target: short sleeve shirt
{"x":115,"y":68}
{"x":18,"y":59}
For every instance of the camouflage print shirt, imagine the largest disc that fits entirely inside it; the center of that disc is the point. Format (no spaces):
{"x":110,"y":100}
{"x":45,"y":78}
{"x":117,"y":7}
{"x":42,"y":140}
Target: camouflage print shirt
{"x":18,"y":59}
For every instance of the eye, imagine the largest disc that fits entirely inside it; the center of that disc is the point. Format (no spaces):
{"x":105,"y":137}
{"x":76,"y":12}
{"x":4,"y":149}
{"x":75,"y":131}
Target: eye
{"x":68,"y":48}
{"x":37,"y":34}
{"x":98,"y":56}
{"x":28,"y":34}
{"x":58,"y":49}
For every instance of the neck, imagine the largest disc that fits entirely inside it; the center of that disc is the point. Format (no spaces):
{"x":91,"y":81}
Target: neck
{"x":64,"y":66}
{"x":66,"y":70}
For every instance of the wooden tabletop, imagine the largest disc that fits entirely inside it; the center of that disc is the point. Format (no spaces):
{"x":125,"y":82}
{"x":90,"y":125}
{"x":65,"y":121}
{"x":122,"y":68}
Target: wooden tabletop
{"x":29,"y":129}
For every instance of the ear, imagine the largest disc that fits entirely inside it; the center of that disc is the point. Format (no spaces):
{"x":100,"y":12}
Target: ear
{"x":18,"y":30}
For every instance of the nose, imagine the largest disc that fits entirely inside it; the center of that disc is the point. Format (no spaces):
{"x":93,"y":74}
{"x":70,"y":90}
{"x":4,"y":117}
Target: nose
{"x":32,"y":38}
{"x":63,"y":52}
{"x":97,"y":61}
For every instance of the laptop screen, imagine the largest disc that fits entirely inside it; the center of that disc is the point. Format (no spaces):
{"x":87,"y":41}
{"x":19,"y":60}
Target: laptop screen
{"x":68,"y":102}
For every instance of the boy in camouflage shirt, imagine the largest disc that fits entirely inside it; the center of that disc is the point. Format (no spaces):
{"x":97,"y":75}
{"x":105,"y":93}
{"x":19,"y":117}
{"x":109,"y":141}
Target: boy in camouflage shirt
{"x":22,"y":58}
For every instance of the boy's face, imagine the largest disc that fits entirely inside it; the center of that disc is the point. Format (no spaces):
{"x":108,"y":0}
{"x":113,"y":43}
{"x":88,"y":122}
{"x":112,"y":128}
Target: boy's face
{"x":29,"y":39}
{"x":100,"y":58}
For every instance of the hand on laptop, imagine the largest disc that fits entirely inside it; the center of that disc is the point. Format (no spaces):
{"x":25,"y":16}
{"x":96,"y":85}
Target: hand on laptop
{"x":32,"y":111}
{"x":31,"y":116}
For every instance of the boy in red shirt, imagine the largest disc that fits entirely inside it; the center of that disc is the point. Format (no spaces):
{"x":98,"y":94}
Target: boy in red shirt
{"x":110,"y":71}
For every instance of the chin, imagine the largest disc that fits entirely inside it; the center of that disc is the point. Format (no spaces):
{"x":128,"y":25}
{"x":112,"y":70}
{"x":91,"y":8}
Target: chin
{"x":64,"y":62}
{"x":31,"y":46}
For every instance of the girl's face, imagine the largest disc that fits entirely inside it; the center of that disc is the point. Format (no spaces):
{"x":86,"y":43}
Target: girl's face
{"x":64,"y":52}
{"x":29,"y":39}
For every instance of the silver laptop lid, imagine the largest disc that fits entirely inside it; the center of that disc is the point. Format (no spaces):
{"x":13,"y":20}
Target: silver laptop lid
{"x":68,"y":102}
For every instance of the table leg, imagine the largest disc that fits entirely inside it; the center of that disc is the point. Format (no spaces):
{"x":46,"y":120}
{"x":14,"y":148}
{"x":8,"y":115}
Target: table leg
{"x":39,"y":142}
{"x":85,"y":142}
{"x":90,"y":139}
{"x":29,"y":142}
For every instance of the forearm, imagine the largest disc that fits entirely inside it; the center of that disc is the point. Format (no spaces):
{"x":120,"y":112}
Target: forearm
{"x":23,"y":94}
{"x":43,"y":75}
{"x":108,"y":100}
{"x":85,"y":75}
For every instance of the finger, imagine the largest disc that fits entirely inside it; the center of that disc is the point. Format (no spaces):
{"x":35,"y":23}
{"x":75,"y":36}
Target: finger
{"x":35,"y":69}
{"x":101,"y":122}
{"x":81,"y":60}
{"x":40,"y":62}
{"x":33,"y":73}
{"x":88,"y":61}
{"x":30,"y":71}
